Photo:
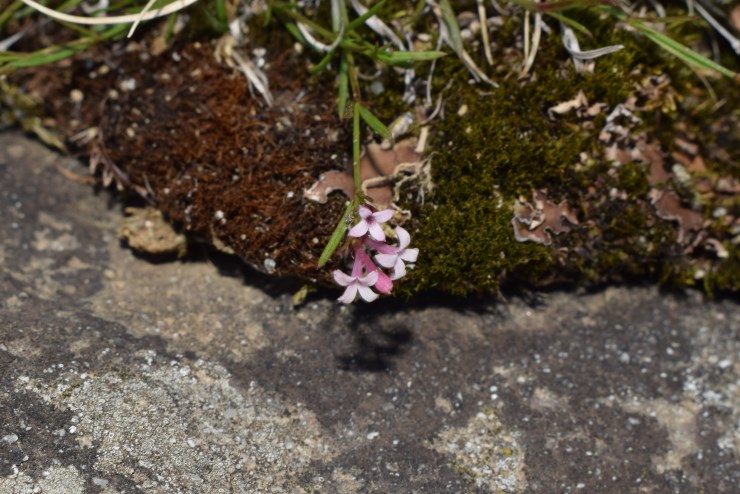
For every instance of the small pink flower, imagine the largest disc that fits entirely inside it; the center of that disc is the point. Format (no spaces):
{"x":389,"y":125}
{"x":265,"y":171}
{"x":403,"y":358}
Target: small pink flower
{"x":370,"y":223}
{"x":356,"y":284}
{"x":396,"y":258}
{"x":362,"y":260}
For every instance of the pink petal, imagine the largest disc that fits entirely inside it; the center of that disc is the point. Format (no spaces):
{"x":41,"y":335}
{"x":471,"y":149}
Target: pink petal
{"x":342,"y":279}
{"x":349,"y":294}
{"x":410,"y":255}
{"x":365,"y":212}
{"x":386,"y":260}
{"x":367,"y":294}
{"x":359,"y":229}
{"x":381,"y":247}
{"x":404,"y":239}
{"x":383,"y":216}
{"x":384,"y":284}
{"x":369,"y":279}
{"x":376,"y":231}
{"x":399,"y":270}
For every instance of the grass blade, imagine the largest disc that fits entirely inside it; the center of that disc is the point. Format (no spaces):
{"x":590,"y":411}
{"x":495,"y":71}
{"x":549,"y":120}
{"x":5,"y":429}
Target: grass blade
{"x":361,"y":20}
{"x":375,"y":124}
{"x":336,"y":237}
{"x":685,"y":54}
{"x":343,"y":85}
{"x":569,"y":22}
{"x":451,"y":21}
{"x":402,"y":57}
{"x":675,"y":48}
{"x":322,"y":64}
{"x":356,"y":148}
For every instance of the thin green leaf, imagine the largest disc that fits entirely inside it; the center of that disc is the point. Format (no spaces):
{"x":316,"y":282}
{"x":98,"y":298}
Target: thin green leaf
{"x":343,"y":85}
{"x":570,"y":22}
{"x":448,"y":15}
{"x":336,"y":237}
{"x":56,"y":53}
{"x":686,"y":54}
{"x":418,"y":12}
{"x":44,"y":58}
{"x":364,"y":17}
{"x":356,"y":148}
{"x":401,"y":57}
{"x":170,"y":29}
{"x":320,"y":30}
{"x":9,"y":11}
{"x":354,"y":82}
{"x":213,"y":21}
{"x":221,"y":11}
{"x":339,"y":16}
{"x":295,"y":32}
{"x":375,"y":124}
{"x":322,"y":64}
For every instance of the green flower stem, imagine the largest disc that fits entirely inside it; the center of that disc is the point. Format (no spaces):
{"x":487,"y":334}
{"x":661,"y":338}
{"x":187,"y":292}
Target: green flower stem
{"x":356,"y":149}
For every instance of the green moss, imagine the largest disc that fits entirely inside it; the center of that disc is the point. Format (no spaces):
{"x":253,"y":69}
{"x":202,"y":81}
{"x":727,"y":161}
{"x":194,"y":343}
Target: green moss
{"x":506,"y":145}
{"x":469,"y":248}
{"x":633,"y":179}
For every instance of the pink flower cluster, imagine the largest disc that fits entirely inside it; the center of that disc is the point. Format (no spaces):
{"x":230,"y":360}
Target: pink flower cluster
{"x":366,"y":274}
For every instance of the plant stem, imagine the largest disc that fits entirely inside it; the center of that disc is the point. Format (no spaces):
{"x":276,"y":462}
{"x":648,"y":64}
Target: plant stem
{"x":356,"y":149}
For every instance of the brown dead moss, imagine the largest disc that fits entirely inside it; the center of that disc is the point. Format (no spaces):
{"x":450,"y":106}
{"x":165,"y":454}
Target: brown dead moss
{"x":222,"y":165}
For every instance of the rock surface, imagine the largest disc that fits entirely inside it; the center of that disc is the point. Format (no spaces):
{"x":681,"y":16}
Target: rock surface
{"x":118,"y":374}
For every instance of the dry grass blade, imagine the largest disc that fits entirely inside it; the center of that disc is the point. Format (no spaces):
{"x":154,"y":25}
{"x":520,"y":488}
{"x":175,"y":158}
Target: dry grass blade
{"x":734,"y":42}
{"x":536,"y":36}
{"x":378,"y":25}
{"x":143,"y":12}
{"x":175,"y":6}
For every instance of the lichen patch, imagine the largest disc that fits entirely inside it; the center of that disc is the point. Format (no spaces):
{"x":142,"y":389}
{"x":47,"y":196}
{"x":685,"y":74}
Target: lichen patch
{"x":490,"y":457}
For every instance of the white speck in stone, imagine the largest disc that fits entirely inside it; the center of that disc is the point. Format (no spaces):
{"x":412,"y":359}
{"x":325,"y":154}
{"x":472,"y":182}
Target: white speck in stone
{"x":624,"y":358}
{"x":669,"y":351}
{"x":72,"y":429}
{"x":494,"y":396}
{"x":724,"y":364}
{"x":493,"y":389}
{"x":291,"y":194}
{"x":372,"y":435}
{"x":218,"y":215}
{"x":581,"y":486}
{"x":10,"y":438}
{"x":99,"y":481}
{"x":191,"y":442}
